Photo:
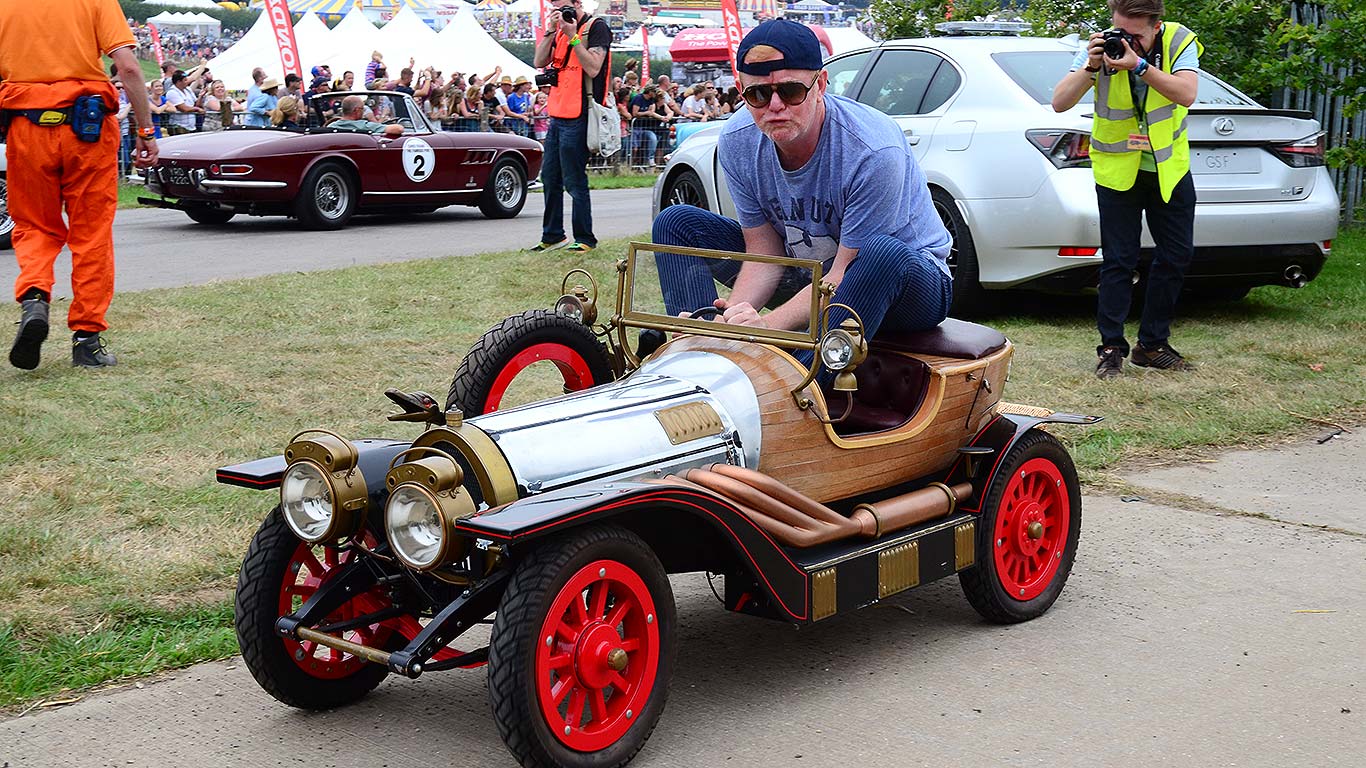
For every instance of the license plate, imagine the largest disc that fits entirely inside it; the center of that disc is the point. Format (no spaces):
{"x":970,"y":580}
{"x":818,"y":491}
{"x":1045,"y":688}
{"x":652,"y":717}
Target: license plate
{"x":1228,"y":160}
{"x":180,"y":176}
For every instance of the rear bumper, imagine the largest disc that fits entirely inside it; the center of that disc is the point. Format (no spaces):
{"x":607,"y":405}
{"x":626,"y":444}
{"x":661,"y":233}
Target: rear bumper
{"x":1251,"y":244}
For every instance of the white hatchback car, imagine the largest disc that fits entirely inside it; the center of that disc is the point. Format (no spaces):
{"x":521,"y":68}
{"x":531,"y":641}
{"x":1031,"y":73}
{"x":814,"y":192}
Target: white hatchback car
{"x":1012,"y":180}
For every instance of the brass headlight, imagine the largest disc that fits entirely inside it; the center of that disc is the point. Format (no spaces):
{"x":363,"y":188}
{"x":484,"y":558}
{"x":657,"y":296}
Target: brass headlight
{"x":844,"y":347}
{"x":578,"y":304}
{"x":425,"y":501}
{"x":322,"y":493}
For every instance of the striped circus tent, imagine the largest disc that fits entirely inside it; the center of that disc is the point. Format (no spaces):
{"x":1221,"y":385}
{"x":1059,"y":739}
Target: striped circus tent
{"x":336,"y":8}
{"x":490,"y":5}
{"x":423,"y":7}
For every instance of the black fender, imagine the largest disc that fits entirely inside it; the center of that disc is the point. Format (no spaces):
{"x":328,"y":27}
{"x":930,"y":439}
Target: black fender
{"x":264,"y":474}
{"x":993,"y":442}
{"x":534,"y":517}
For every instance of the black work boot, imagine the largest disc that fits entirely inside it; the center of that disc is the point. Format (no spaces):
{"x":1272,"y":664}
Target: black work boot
{"x":90,"y":352}
{"x":33,"y":324}
{"x":1162,"y":357}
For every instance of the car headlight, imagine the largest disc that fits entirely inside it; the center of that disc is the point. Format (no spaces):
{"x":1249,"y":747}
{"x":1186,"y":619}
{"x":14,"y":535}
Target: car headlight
{"x":578,"y":303}
{"x":570,"y":307}
{"x":322,"y":493}
{"x":837,"y":351}
{"x":425,"y":501}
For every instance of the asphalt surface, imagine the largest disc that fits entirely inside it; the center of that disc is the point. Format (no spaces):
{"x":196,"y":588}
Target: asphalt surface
{"x":156,"y":248}
{"x":1219,"y":627}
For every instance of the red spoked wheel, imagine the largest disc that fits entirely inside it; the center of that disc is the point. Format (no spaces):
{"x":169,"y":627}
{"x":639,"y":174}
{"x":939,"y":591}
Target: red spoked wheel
{"x":304,"y":574}
{"x":278,"y":575}
{"x":582,"y":650}
{"x":1028,"y":532}
{"x":595,"y":668}
{"x":511,"y":363}
{"x":1031,"y":529}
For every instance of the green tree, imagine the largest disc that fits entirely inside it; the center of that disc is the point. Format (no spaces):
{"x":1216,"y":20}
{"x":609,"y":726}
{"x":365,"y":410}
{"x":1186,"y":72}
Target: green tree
{"x":917,"y":18}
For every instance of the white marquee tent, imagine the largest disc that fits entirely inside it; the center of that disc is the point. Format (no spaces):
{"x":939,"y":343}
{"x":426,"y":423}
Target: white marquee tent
{"x":464,"y":46}
{"x":188,"y":23}
{"x":208,"y":5}
{"x":353,"y":39}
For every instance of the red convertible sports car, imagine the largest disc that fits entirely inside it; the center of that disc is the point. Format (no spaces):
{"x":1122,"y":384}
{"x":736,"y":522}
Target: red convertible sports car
{"x":323,"y":176}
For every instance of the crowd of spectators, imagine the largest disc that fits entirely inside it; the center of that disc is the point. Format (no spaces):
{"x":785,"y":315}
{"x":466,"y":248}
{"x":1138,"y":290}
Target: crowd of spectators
{"x":189,"y":99}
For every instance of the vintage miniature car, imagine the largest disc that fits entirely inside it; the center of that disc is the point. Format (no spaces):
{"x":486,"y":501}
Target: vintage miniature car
{"x":716,"y":451}
{"x":323,"y":176}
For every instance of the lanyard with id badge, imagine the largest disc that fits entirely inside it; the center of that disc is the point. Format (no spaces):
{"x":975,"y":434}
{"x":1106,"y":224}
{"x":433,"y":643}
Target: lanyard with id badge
{"x":1139,"y":141}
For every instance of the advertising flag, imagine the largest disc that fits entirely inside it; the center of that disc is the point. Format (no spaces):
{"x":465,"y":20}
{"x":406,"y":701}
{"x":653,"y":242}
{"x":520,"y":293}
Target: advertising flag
{"x":546,"y":10}
{"x":645,"y":51}
{"x":731,"y":18}
{"x":283,"y":29}
{"x":156,"y":44}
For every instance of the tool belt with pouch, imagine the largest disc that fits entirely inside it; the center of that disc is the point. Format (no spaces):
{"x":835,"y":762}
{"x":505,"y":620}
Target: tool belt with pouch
{"x":86,"y":117}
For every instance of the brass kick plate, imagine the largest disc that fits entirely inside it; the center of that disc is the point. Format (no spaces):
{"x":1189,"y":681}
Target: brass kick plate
{"x":823,"y":603}
{"x":898,"y":568}
{"x":965,"y":545}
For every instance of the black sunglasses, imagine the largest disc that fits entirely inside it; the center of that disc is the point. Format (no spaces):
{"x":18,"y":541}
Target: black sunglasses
{"x":792,"y":93}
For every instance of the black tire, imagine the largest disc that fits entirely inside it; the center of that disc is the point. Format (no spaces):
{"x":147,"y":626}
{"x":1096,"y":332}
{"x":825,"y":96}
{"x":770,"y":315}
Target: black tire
{"x":685,"y":188}
{"x":211,"y":216}
{"x":505,"y":194}
{"x":473,"y":386}
{"x":6,"y":223}
{"x":266,"y":653}
{"x":968,"y":296}
{"x":1037,"y":461}
{"x":538,"y":584}
{"x":327,"y":197}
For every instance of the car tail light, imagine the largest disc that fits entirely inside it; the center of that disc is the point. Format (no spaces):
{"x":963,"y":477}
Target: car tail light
{"x":1069,"y":250}
{"x":1305,"y":153}
{"x":1327,"y":245}
{"x":1065,"y":149}
{"x":231,"y":170}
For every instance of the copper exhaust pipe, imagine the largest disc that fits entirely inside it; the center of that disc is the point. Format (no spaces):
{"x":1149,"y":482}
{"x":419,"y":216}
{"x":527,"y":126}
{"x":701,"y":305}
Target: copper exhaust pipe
{"x":934,"y":500}
{"x":800,"y":521}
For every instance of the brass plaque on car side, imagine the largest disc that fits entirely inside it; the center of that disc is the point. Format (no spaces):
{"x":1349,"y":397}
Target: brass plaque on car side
{"x":965,"y":545}
{"x":690,"y":421}
{"x":823,"y":601}
{"x":898,"y":568}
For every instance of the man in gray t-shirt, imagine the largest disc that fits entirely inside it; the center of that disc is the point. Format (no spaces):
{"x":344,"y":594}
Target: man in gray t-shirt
{"x":813,"y":176}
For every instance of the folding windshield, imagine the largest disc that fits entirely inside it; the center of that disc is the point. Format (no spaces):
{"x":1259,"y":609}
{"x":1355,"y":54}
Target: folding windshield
{"x":379,"y":107}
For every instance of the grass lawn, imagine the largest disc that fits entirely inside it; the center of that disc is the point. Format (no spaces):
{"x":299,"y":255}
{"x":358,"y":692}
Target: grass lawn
{"x":118,"y":552}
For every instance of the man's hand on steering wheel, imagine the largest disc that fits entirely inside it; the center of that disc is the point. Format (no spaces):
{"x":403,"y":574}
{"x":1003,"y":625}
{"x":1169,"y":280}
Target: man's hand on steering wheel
{"x":742,"y":313}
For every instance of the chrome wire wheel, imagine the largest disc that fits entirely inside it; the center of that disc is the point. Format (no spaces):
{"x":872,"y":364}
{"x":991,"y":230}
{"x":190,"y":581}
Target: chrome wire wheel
{"x":331,"y":196}
{"x":508,"y":187}
{"x":685,"y":189}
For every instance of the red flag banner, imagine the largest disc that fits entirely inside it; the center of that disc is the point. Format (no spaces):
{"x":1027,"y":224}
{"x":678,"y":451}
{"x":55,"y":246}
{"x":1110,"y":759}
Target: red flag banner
{"x":156,"y":44}
{"x":731,"y":19}
{"x":546,"y":10}
{"x":283,"y":29}
{"x":645,"y":54}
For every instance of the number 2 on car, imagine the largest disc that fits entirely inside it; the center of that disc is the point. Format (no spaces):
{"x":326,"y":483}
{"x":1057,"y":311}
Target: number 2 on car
{"x":419,"y":160}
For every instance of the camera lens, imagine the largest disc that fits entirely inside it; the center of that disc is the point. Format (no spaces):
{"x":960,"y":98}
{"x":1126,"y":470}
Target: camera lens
{"x":568,"y":13}
{"x":1114,"y":48}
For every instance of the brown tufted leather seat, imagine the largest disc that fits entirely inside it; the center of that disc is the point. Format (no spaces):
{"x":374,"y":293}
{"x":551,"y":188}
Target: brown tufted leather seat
{"x":892,"y":387}
{"x":951,"y":338}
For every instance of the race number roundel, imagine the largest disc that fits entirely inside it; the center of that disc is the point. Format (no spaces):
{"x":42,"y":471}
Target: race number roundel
{"x":419,"y":160}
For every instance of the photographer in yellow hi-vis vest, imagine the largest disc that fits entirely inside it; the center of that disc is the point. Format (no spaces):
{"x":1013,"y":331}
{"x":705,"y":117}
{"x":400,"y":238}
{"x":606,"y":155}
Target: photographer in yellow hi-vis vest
{"x":1144,"y":75}
{"x":575,"y":53}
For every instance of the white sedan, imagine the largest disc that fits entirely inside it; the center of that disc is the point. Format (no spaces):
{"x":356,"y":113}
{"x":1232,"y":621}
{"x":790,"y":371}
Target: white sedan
{"x":1012,"y":180}
{"x":6,"y":223}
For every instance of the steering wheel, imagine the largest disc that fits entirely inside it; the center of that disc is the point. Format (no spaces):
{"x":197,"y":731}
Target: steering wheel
{"x":705,"y":313}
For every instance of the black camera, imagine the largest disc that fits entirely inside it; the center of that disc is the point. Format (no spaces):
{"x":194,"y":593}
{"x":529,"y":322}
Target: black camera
{"x":550,"y":78}
{"x":1114,"y":42}
{"x":570,"y":15}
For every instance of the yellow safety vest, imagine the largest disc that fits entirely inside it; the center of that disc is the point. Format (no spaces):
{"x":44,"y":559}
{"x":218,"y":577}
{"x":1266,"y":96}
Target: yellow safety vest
{"x":1114,"y":164}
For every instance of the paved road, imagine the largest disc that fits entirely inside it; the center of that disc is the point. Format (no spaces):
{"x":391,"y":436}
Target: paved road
{"x":163,"y":249}
{"x":1186,"y":637}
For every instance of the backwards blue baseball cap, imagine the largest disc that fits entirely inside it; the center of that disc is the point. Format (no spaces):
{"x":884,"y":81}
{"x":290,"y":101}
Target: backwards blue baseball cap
{"x":796,"y":42}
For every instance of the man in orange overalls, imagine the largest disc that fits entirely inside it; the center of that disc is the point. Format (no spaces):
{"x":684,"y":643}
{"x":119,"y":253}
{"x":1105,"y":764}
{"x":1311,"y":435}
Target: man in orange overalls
{"x":49,"y":59}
